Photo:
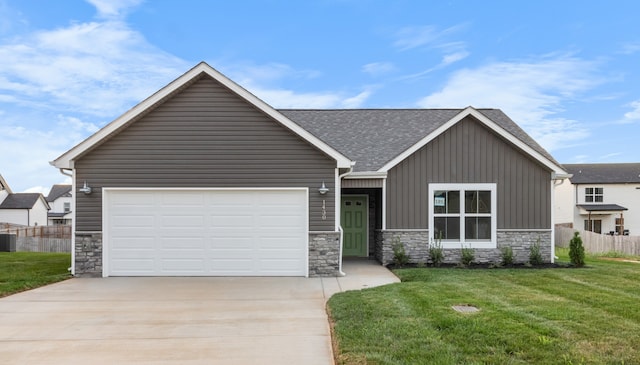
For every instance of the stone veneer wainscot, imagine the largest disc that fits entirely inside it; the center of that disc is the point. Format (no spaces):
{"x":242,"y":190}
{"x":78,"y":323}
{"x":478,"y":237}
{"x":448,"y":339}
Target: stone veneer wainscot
{"x":416,"y":245}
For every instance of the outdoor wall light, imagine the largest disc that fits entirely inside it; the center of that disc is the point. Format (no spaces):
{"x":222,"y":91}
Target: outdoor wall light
{"x":323,"y":189}
{"x":85,"y":189}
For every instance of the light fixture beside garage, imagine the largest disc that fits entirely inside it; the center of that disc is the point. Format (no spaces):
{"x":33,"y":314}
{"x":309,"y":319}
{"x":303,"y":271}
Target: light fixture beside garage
{"x":85,"y":188}
{"x":323,"y":189}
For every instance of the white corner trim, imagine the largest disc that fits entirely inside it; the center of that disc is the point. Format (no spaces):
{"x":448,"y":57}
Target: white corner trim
{"x":487,"y":122}
{"x":66,"y":159}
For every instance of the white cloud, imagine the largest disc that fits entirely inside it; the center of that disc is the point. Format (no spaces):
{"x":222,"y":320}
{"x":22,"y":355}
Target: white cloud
{"x":418,"y":36}
{"x":358,"y":100}
{"x":630,"y":48}
{"x":453,"y":57}
{"x":529,"y":92}
{"x":378,"y":68}
{"x":99,"y":68}
{"x":634,"y":115}
{"x":114,"y":8}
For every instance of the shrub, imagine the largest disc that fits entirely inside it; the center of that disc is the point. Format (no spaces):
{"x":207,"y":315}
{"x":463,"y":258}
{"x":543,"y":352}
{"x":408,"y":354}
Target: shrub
{"x":436,"y":253}
{"x":535,"y":256}
{"x":467,"y":256}
{"x":576,"y":250}
{"x":507,"y":255}
{"x":400,"y":257}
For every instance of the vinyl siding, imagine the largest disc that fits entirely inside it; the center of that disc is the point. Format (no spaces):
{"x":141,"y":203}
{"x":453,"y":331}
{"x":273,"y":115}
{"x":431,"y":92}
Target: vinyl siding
{"x":470,"y":153}
{"x":205,"y":136}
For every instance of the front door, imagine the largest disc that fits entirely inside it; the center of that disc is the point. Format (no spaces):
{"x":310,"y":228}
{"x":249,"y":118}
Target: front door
{"x":354,"y":222}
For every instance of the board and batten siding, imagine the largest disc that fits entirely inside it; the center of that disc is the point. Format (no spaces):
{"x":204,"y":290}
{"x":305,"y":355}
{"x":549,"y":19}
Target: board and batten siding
{"x":469,"y":152}
{"x":202,"y":137}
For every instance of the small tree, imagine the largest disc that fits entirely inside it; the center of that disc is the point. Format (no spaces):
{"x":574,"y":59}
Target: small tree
{"x":466,"y":256}
{"x":436,"y":253}
{"x":535,"y":256}
{"x":576,"y":250}
{"x":400,"y":257}
{"x":507,"y":255}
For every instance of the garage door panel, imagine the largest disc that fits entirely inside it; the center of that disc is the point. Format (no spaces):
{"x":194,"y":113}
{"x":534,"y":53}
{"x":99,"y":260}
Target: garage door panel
{"x":130,"y":243}
{"x":182,"y":243}
{"x":182,"y":221}
{"x":209,"y":232}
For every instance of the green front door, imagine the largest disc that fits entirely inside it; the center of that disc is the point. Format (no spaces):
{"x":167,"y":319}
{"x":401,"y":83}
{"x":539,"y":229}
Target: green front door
{"x":353,"y":219}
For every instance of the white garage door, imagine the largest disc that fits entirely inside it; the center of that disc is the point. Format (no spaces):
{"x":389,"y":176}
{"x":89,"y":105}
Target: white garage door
{"x":221,"y":232}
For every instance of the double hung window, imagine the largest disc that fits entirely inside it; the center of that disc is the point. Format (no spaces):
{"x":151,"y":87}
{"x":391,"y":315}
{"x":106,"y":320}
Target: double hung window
{"x":463,"y":214}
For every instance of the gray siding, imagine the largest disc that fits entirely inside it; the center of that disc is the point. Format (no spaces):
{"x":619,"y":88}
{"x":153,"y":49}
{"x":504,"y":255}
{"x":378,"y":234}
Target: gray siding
{"x":470,"y":153}
{"x":205,"y":136}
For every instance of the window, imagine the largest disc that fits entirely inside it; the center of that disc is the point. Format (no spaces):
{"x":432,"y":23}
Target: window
{"x":463,"y":214}
{"x":593,"y":195}
{"x":594,"y":225}
{"x":67,"y":207}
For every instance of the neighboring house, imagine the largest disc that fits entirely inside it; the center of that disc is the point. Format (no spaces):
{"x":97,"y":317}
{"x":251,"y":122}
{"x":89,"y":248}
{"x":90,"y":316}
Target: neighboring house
{"x":60,"y":201}
{"x":204,"y":178}
{"x":27,"y":209}
{"x":603,"y":198}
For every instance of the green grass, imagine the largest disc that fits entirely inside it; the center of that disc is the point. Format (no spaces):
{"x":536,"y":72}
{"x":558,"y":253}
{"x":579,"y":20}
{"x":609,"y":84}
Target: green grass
{"x":542,"y":316}
{"x":20,"y":271}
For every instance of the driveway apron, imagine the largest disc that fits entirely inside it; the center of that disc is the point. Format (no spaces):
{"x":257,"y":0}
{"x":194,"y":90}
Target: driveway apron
{"x":166,"y":320}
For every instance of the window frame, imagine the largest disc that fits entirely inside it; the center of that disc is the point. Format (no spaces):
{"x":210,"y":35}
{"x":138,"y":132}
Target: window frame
{"x":462,"y":189}
{"x":591,"y":194}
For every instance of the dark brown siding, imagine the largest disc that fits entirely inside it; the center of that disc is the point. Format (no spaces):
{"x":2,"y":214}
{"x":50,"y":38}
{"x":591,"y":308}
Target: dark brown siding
{"x":205,"y":136}
{"x":470,"y":153}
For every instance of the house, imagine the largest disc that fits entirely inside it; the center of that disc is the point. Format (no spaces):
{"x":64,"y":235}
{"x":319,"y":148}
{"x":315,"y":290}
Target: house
{"x":204,"y":178}
{"x":27,"y":209}
{"x":60,"y":200}
{"x":602,"y":198}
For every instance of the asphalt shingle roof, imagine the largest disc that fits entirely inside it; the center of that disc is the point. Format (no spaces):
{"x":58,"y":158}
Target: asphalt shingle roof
{"x":373,"y":137}
{"x":57,"y":191}
{"x":20,"y":201}
{"x":602,"y":207}
{"x":604,"y":173}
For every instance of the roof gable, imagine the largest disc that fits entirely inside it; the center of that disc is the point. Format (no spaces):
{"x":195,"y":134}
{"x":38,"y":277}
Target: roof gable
{"x":604,"y":173}
{"x":23,"y":201}
{"x":59,"y":190}
{"x":4,"y":185}
{"x":66,"y":160}
{"x":378,"y":139}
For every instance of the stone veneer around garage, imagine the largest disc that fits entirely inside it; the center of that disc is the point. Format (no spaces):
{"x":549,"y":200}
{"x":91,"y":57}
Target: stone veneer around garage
{"x":324,"y":254}
{"x":88,"y":251}
{"x":416,"y":246}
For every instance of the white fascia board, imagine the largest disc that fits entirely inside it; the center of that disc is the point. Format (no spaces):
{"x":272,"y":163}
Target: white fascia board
{"x":66,"y":160}
{"x":367,"y":175}
{"x":487,"y":122}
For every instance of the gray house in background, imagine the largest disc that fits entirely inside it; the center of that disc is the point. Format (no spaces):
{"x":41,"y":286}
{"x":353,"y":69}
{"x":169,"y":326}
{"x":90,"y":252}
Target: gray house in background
{"x":204,"y":178}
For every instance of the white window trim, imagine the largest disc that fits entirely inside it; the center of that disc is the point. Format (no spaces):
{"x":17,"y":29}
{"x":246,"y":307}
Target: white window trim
{"x":594,"y":194}
{"x":463,"y":187}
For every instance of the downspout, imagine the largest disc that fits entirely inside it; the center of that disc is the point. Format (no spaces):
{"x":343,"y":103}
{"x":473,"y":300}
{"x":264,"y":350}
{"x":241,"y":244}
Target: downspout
{"x":72,"y":269}
{"x":340,"y":272}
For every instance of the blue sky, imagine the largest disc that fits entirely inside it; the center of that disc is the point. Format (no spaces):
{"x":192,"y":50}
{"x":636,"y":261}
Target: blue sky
{"x":566,"y":71}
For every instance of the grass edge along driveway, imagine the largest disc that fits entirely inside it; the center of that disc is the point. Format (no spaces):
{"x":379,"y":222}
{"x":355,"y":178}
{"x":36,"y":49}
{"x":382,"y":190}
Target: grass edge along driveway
{"x":20,"y":271}
{"x":545,"y":316}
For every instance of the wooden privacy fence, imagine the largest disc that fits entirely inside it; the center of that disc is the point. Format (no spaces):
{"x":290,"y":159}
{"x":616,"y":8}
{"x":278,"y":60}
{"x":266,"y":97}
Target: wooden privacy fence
{"x":599,"y":243}
{"x":41,"y":238}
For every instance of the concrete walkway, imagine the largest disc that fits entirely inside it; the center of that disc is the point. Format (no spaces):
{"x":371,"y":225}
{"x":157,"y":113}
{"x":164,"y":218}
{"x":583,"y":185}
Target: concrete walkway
{"x":177,"y":320}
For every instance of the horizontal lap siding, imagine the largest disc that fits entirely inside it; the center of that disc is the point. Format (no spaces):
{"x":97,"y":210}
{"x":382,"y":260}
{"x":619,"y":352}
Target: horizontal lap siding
{"x":204,"y":137}
{"x":470,"y":153}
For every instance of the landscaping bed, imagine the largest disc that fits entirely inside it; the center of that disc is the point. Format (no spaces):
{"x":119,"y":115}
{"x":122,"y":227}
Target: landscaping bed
{"x":541,"y":316}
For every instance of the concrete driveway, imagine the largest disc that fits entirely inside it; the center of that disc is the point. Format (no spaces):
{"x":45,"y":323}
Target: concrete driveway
{"x":177,"y":320}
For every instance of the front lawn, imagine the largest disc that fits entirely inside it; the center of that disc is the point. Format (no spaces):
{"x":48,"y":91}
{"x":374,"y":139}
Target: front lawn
{"x":21,"y":271}
{"x":542,"y":316}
